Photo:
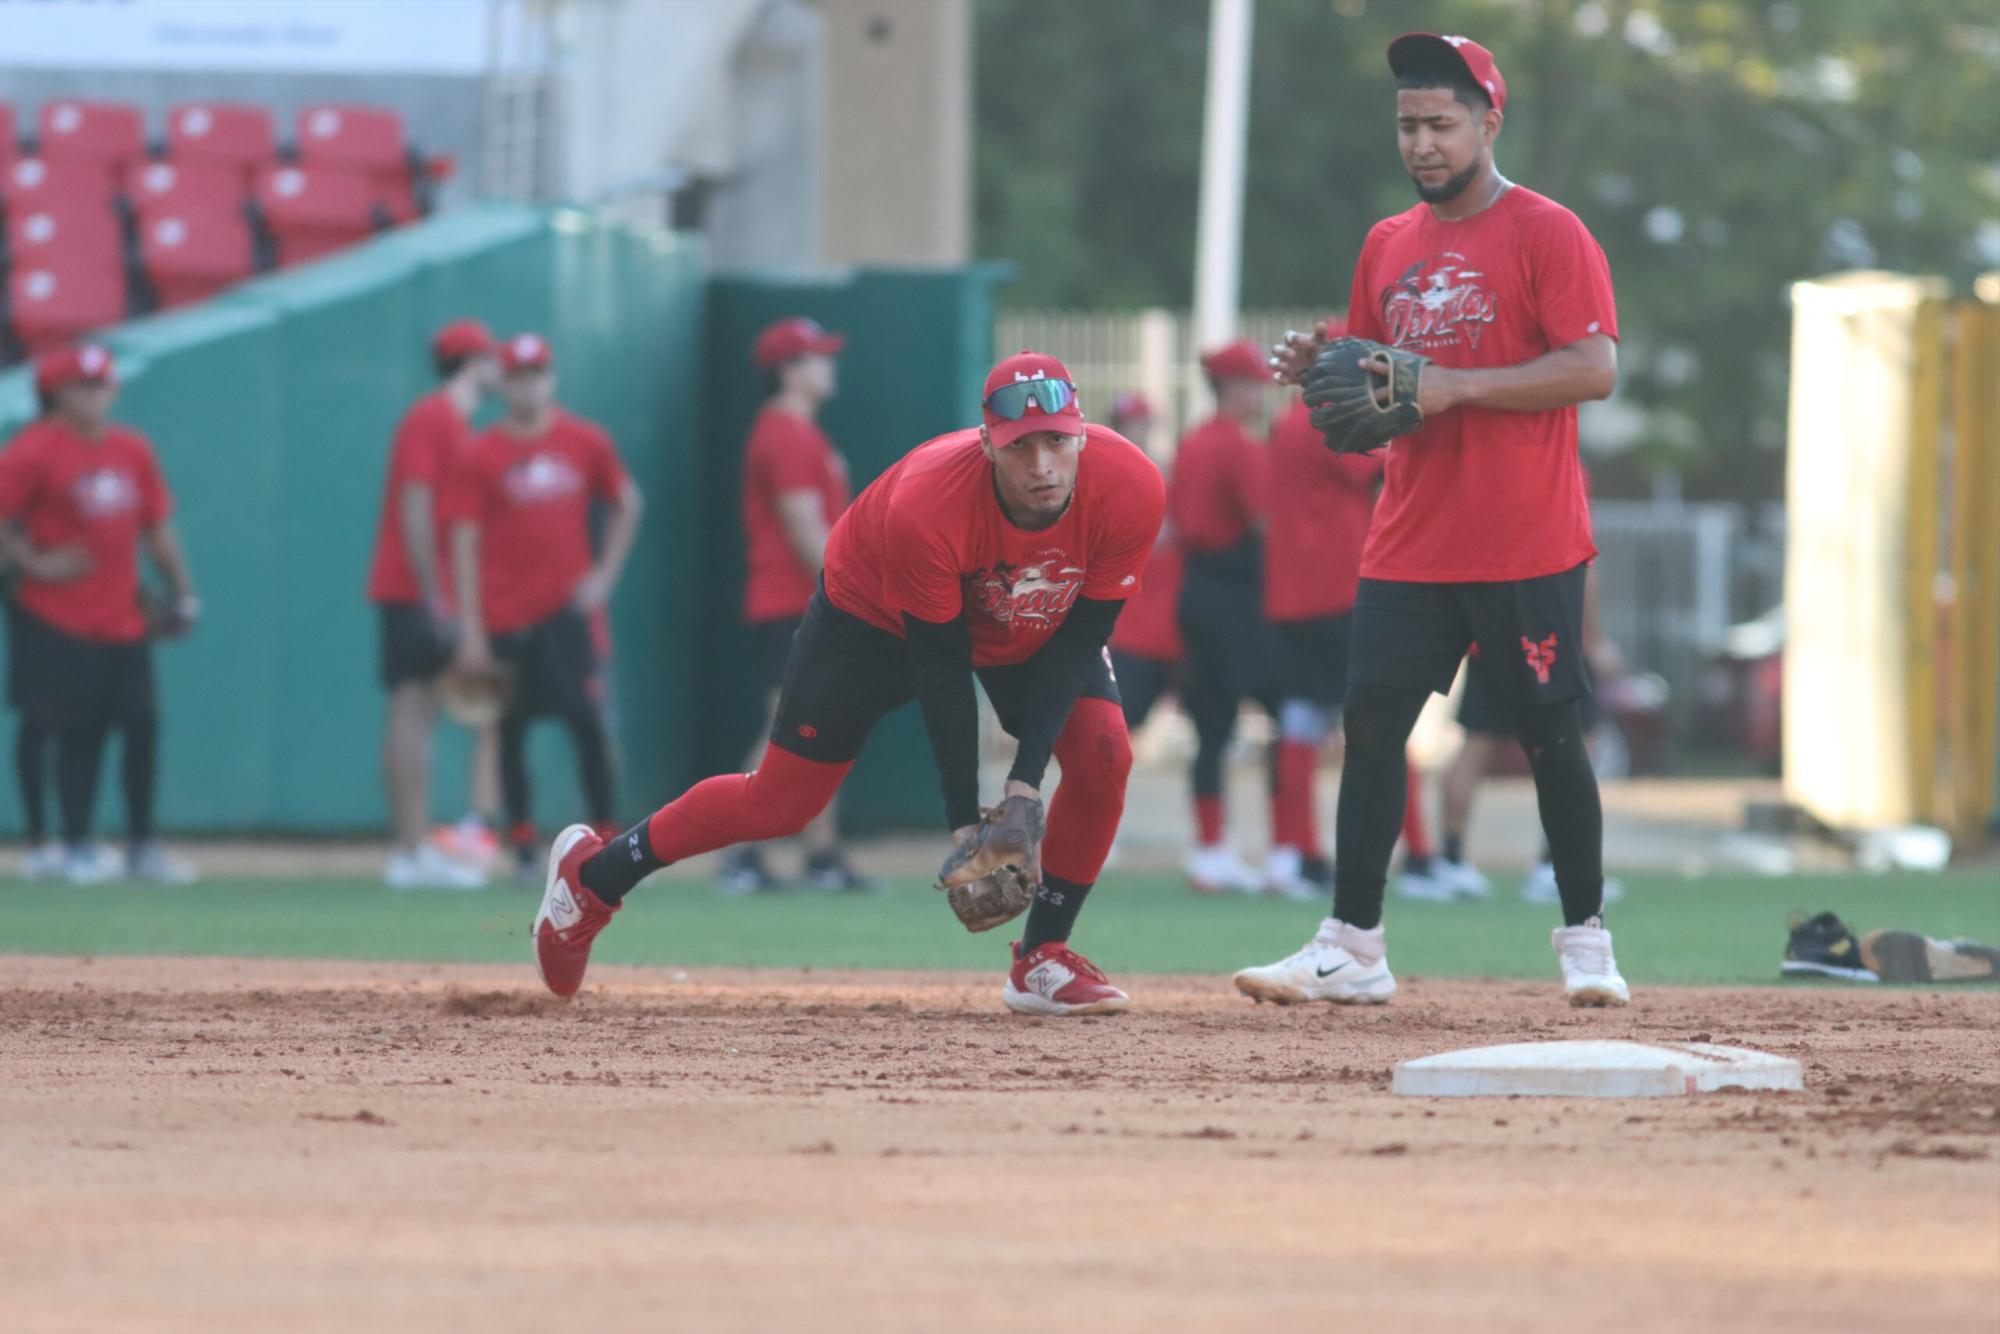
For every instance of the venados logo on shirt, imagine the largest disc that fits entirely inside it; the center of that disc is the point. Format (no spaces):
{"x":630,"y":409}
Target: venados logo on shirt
{"x":1035,"y":593}
{"x":105,"y":493}
{"x":1437,"y":302}
{"x":543,"y":477}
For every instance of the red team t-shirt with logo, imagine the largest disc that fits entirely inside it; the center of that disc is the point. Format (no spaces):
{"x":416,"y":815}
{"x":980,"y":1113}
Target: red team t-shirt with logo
{"x":1150,"y":625}
{"x":785,"y":453}
{"x":927,"y":538}
{"x":1321,"y":503}
{"x":66,"y":490}
{"x":531,"y":499}
{"x":426,"y":449}
{"x":1217,"y":492}
{"x":1478,"y":495}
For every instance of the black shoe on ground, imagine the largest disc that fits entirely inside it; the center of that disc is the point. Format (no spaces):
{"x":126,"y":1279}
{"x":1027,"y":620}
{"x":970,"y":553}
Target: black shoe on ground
{"x":830,"y":872}
{"x":1823,"y":946}
{"x":742,"y":871}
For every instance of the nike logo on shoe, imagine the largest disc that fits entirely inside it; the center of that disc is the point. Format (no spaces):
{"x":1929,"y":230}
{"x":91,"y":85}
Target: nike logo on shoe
{"x":1329,"y":972}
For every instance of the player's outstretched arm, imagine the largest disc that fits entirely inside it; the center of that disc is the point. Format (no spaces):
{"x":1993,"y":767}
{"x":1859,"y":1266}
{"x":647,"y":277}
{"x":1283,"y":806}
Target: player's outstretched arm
{"x":941,"y":659}
{"x":1584,"y":371}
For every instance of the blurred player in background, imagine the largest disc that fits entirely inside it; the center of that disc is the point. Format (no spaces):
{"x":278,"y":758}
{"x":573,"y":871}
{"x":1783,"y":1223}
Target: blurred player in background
{"x":34,"y":748}
{"x":1216,"y":504}
{"x":1320,"y":506}
{"x":795,"y":486}
{"x":80,"y":498}
{"x":410,"y":585}
{"x":526,"y":582}
{"x":1482,"y":533}
{"x":1146,"y":646}
{"x":1003,"y":553}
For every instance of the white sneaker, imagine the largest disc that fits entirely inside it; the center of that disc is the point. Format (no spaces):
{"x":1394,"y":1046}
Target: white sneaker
{"x":1465,"y":880}
{"x":1216,"y":869}
{"x":44,"y":862}
{"x":1540,"y":886}
{"x":1425,"y":886}
{"x":1284,"y":875}
{"x":1590,"y":973}
{"x":90,"y":865}
{"x":1341,"y":964}
{"x":429,"y":867}
{"x":150,"y":861}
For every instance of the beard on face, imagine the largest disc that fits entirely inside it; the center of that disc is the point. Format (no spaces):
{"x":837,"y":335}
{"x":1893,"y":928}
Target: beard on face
{"x":1452,"y":188}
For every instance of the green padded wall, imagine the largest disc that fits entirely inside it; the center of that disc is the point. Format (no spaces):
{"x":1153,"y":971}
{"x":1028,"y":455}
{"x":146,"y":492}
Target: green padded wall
{"x":272,"y":409}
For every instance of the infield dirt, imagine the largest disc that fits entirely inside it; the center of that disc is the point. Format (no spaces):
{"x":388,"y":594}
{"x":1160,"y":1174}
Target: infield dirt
{"x":240,"y":1145}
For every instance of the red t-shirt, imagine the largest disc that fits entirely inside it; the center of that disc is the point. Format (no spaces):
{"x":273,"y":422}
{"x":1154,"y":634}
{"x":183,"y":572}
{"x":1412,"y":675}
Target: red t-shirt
{"x":1217,"y":490}
{"x":67,"y":490}
{"x":785,"y":453}
{"x":428,"y":442}
{"x":928,"y":538}
{"x":1150,"y":625}
{"x":1321,"y":503}
{"x":531,"y":497}
{"x":1480,"y":495}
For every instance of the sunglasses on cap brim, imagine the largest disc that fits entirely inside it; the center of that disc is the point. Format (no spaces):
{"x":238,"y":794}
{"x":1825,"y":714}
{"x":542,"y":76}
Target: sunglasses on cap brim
{"x":1010,"y":401}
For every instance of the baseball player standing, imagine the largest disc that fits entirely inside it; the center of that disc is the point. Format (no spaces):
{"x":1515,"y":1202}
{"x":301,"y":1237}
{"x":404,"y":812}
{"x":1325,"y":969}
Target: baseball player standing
{"x":527,"y":583}
{"x":1004,"y":553}
{"x":1489,"y":310}
{"x":1216,"y":503}
{"x":80,"y":498}
{"x":409,"y":582}
{"x":794,"y":487}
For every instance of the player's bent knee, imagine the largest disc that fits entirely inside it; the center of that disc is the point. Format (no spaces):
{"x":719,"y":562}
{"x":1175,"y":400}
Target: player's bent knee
{"x":1094,"y":744}
{"x":1305,"y":722}
{"x":785,"y":792}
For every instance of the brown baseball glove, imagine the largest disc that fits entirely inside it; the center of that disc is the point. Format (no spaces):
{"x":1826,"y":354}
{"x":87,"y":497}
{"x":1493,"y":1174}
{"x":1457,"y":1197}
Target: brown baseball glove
{"x":991,"y":876}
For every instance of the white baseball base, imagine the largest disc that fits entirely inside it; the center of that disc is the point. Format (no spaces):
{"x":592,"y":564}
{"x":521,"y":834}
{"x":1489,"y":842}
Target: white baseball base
{"x":1594,"y":1069}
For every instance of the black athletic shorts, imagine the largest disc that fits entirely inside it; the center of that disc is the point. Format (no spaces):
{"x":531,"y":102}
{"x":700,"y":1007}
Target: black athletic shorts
{"x":845,"y":674}
{"x":414,"y":647}
{"x":66,"y":683}
{"x":1141,"y":683}
{"x":1312,"y":658}
{"x":556,"y":668}
{"x":1529,"y":632}
{"x":1479,"y":712}
{"x":773,"y":641}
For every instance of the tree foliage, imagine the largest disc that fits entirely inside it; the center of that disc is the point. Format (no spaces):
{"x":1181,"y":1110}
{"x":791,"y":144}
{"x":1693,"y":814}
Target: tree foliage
{"x":1719,"y":149}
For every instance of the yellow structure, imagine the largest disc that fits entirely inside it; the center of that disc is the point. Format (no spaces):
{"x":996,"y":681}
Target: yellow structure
{"x":1893,"y":564}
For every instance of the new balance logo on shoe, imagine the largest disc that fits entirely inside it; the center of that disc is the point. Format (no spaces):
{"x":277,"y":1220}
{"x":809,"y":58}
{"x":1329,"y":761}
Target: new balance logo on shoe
{"x":1048,"y":979}
{"x":562,"y":907}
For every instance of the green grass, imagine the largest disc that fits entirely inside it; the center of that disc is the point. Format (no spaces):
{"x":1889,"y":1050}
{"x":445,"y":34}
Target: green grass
{"x":1709,"y":930}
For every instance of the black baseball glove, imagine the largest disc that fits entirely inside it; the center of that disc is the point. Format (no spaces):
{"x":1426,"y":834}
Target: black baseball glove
{"x":1363,"y":394}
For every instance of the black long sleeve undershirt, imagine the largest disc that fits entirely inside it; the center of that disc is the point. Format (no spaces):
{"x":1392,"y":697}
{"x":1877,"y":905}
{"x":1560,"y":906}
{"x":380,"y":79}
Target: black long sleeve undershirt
{"x":941,"y":656}
{"x":1060,"y":667}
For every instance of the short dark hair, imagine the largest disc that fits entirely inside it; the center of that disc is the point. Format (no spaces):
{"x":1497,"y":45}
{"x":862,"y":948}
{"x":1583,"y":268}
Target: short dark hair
{"x":45,"y":401}
{"x":770,"y":379}
{"x":1453,"y":79}
{"x":450,"y":366}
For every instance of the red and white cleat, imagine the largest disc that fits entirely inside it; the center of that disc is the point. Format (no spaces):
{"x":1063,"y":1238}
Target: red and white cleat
{"x":1055,"y":979}
{"x":570,"y":916}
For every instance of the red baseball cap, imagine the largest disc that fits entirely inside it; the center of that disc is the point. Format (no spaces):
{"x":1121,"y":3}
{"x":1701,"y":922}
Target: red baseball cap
{"x":462,"y":338}
{"x":526,"y":352}
{"x":794,"y":336}
{"x":1022,"y":366}
{"x":73,"y":365}
{"x":1415,"y":51}
{"x":1131,"y":406}
{"x":1240,"y":360}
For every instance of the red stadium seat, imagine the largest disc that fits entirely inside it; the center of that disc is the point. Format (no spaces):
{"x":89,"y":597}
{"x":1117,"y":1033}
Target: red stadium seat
{"x":354,"y":138}
{"x":193,"y":256}
{"x":54,"y":303}
{"x":177,"y":187}
{"x":222,"y":134}
{"x":32,"y":183}
{"x":108,"y":133}
{"x":314,"y":211}
{"x":84,"y":236}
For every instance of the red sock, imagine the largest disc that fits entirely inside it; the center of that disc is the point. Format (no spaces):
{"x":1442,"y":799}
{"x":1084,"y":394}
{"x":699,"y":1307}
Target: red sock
{"x":1416,"y":838}
{"x":1208,"y":820}
{"x":1298,"y":768}
{"x":778,"y":800}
